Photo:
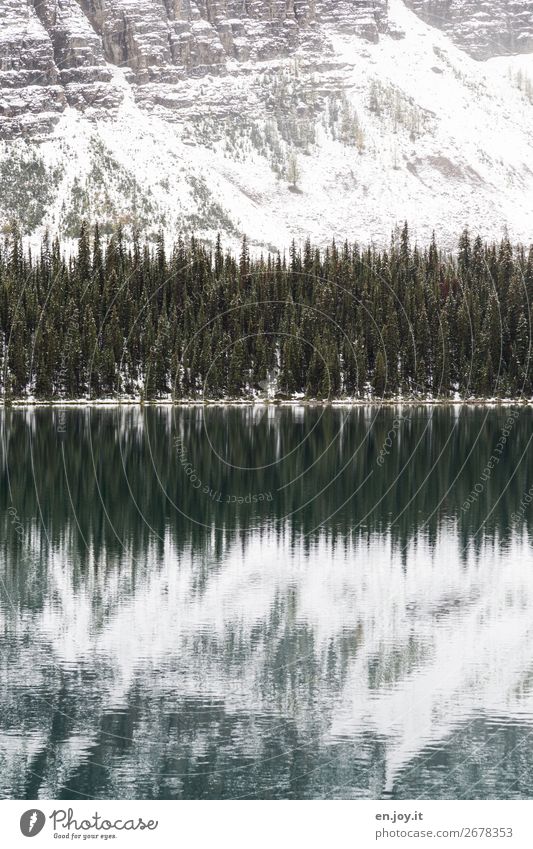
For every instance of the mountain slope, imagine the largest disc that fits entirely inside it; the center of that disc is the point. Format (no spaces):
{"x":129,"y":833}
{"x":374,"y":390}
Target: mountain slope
{"x":342,"y":136}
{"x":55,"y":53}
{"x":484,"y":28}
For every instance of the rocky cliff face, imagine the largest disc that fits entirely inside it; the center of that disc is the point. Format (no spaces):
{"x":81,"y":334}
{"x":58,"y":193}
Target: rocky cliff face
{"x":197,"y":37}
{"x":275,"y":118}
{"x":483,"y":28}
{"x":50,"y":57}
{"x":55,"y":53}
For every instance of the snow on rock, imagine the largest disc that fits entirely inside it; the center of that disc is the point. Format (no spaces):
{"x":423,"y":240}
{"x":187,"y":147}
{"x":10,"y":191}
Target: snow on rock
{"x":203,"y":119}
{"x":67,"y":43}
{"x":484,"y":28}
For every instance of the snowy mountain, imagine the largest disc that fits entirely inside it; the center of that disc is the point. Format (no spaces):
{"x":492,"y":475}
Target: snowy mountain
{"x":280,"y":119}
{"x":484,"y":28}
{"x":60,"y":53}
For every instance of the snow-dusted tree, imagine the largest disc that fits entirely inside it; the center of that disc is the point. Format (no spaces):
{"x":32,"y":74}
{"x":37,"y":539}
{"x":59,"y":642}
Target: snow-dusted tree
{"x":293,"y":171}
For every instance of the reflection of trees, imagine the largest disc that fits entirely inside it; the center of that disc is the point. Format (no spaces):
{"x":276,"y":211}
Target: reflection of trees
{"x":159,"y":657}
{"x":330,"y":457}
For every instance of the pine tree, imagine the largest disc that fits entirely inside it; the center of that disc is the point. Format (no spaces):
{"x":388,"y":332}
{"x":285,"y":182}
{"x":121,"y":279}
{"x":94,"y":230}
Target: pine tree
{"x":380,"y":375}
{"x":316,"y":381}
{"x":236,"y":376}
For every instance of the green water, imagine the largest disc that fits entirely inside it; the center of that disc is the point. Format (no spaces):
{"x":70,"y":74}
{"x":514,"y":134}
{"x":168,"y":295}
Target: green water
{"x":288,"y":603}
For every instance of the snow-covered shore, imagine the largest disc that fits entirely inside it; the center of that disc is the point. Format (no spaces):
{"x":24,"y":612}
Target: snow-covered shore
{"x":396,"y":401}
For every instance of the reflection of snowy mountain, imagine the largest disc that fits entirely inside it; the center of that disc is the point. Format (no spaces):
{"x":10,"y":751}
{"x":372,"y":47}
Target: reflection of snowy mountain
{"x":148,"y":665}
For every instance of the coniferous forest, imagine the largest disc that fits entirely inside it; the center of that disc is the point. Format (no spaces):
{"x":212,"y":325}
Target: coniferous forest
{"x":125,"y":318}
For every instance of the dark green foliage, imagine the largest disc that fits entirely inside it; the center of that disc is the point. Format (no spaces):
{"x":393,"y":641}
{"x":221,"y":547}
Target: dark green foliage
{"x":119,"y":318}
{"x":27,"y":188}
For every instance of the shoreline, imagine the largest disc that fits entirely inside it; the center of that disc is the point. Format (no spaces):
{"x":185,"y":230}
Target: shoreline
{"x":82,"y":403}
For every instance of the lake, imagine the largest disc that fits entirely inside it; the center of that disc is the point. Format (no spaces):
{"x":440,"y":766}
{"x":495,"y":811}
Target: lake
{"x":279,"y":602}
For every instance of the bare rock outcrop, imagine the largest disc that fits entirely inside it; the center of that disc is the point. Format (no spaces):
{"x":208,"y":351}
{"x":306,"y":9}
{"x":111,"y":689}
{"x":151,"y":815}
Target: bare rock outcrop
{"x":59,"y":53}
{"x":484,"y":28}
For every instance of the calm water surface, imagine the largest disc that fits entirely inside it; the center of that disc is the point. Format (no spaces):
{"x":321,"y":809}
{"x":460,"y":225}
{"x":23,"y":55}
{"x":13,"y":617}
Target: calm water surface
{"x":291,"y":603}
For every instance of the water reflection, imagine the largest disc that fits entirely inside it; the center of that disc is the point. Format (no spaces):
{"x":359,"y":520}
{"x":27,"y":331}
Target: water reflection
{"x":358,"y":634}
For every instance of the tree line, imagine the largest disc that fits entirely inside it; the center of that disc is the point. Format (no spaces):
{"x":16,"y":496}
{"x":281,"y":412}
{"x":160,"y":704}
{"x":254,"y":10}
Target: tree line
{"x":122,"y":317}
